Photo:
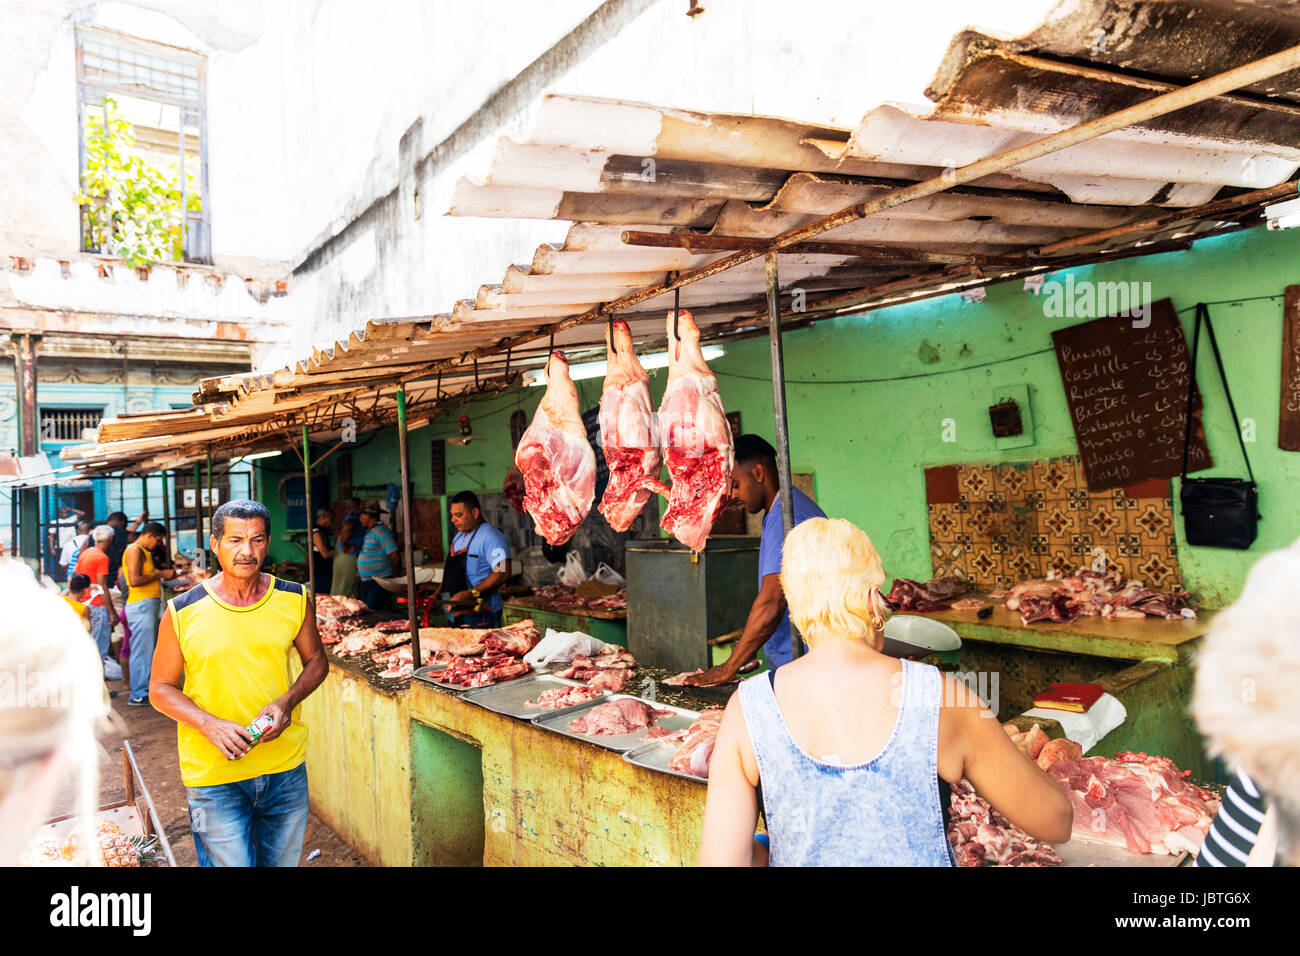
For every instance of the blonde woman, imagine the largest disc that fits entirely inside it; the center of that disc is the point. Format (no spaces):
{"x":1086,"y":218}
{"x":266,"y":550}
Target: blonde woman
{"x":52,"y":702}
{"x":852,"y":748}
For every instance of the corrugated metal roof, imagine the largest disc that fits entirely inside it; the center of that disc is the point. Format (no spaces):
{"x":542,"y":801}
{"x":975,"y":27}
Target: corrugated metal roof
{"x":689,"y":178}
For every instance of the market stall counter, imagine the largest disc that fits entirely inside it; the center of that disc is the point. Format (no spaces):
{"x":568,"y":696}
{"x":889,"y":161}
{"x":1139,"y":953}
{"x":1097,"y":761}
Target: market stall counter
{"x":1145,"y":664}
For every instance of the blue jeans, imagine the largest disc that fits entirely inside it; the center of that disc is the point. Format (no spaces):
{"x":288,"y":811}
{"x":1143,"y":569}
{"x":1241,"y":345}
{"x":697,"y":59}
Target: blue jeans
{"x":100,"y":630}
{"x":256,"y":822}
{"x":374,"y":595}
{"x":143,"y":618}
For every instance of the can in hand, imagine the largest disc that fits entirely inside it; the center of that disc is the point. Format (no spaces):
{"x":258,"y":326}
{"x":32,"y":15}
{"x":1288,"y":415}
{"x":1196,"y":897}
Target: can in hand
{"x":260,"y":726}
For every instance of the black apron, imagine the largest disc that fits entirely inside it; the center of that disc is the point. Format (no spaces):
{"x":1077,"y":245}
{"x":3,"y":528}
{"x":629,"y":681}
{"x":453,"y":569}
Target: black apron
{"x":455,"y":571}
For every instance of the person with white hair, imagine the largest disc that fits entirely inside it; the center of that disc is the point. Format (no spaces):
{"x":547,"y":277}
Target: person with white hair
{"x":1246,"y":705}
{"x":854,"y":750}
{"x":94,"y":563}
{"x":52,"y":703}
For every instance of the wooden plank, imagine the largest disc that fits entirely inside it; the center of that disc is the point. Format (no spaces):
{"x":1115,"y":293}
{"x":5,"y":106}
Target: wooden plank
{"x":1150,"y":639}
{"x":1288,"y":423}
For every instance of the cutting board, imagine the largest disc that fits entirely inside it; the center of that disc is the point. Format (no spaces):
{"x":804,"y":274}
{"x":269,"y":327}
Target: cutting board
{"x":1081,"y":853}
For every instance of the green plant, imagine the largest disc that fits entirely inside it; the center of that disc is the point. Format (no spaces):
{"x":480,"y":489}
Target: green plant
{"x":132,"y":208}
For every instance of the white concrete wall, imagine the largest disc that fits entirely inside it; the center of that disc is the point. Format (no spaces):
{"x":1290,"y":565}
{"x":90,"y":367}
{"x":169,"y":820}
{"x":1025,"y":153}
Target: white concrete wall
{"x":321,"y":114}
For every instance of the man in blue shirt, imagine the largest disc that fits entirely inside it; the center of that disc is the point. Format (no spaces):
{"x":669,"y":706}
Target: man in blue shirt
{"x":378,"y":558}
{"x":477,"y":567}
{"x":756,"y":486}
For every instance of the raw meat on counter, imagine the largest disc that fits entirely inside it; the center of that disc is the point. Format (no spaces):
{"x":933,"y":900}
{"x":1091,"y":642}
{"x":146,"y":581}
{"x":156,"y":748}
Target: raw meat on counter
{"x":561,"y":596}
{"x":1088,"y":593}
{"x":610,"y":670}
{"x":696,"y":751}
{"x":368,"y":639}
{"x":397,"y":661}
{"x":969,"y":604}
{"x":629,"y":434}
{"x":980,"y":835}
{"x":557,"y":462}
{"x":558,"y":697}
{"x":329,"y":607}
{"x":481,"y":671}
{"x":696,"y":439}
{"x":441,"y":645}
{"x":1135,"y":801}
{"x":1062,"y":748}
{"x":397,"y":624}
{"x":517,"y":639}
{"x":909,"y":595}
{"x":622,"y":716}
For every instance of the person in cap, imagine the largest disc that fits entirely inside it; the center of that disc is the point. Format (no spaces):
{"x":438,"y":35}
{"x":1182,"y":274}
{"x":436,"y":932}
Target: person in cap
{"x":378,"y":558}
{"x":478,"y":565}
{"x":225,"y":659}
{"x":756,"y":486}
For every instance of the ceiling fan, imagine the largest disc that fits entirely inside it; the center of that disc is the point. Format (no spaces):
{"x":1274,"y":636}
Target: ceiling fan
{"x":465,"y":435}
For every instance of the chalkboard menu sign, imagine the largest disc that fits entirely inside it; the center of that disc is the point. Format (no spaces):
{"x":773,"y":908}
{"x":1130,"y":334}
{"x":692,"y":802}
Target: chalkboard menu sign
{"x":1126,"y":387}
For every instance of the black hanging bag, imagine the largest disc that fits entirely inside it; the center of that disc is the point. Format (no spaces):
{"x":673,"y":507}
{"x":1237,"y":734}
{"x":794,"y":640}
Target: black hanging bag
{"x":1217,"y":512}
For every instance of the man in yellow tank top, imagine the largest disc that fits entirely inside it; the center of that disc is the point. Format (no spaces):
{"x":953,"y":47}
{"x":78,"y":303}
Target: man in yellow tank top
{"x":230,"y":639}
{"x":143,"y":605}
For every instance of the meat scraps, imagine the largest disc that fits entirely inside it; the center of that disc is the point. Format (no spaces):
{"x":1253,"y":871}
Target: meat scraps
{"x":909,"y":595}
{"x":517,"y":639}
{"x":491,"y":668}
{"x":696,"y":438}
{"x":622,"y":716}
{"x":981,"y":836}
{"x":1062,"y":748}
{"x":558,"y":697}
{"x":612,"y":669}
{"x":366,"y":640}
{"x":1088,"y":593}
{"x":1135,"y":801}
{"x":562,"y":596}
{"x":330,"y":607}
{"x":557,"y":463}
{"x":629,"y":435}
{"x":696,"y":751}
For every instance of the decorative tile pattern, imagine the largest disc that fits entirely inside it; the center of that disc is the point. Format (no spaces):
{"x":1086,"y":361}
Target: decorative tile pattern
{"x":998,"y":524}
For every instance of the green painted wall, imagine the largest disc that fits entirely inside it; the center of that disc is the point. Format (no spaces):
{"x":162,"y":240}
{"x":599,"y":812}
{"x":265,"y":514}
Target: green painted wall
{"x":868,"y":444}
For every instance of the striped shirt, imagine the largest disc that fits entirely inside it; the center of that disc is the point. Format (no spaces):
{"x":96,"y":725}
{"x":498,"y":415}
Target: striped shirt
{"x":1236,"y":826}
{"x":373,"y":561}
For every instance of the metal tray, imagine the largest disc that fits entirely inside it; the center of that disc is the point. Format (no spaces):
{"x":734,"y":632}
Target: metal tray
{"x":428,"y":673}
{"x":679,"y":719}
{"x":656,"y":755}
{"x":511,"y":697}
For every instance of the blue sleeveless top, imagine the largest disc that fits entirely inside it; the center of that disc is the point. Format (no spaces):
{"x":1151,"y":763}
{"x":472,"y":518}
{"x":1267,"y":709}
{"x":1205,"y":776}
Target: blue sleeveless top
{"x":885,"y":812}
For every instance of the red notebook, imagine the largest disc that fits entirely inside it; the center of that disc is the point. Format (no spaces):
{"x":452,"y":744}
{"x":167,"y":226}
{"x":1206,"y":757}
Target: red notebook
{"x":1072,"y":697}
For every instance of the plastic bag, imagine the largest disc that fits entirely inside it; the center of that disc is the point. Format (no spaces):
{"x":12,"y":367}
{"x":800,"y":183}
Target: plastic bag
{"x":573,"y":573}
{"x":607,"y":575}
{"x":563,"y":646}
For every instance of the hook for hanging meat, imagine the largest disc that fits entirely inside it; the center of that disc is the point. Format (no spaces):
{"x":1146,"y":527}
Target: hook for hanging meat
{"x":613,"y":349}
{"x":677,"y":307}
{"x":439,"y":384}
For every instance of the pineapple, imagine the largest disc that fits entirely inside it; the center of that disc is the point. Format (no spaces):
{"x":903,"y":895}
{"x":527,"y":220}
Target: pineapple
{"x":119,"y":849}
